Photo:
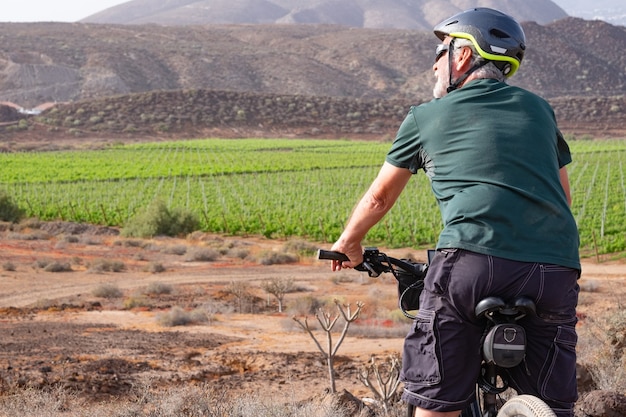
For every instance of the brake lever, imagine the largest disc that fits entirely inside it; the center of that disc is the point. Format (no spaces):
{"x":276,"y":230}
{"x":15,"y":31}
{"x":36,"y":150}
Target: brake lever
{"x":367,"y":267}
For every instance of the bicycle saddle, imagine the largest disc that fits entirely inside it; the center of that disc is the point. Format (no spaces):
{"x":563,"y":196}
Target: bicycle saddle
{"x":488,"y":305}
{"x":517,"y":309}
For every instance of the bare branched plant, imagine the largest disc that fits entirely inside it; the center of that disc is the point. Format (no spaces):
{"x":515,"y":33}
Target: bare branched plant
{"x":328,"y":322}
{"x":241,"y":292}
{"x":382,"y":379}
{"x":279,"y":287}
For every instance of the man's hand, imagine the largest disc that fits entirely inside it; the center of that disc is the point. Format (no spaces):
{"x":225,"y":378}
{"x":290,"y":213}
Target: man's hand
{"x":354,"y":251}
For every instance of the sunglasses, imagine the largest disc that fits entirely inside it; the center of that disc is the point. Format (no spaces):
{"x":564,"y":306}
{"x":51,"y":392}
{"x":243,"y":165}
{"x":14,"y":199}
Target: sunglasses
{"x":442,"y":48}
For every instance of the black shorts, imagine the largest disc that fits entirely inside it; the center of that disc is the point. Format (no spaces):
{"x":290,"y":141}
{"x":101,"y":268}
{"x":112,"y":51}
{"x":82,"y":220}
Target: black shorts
{"x":441,"y":359}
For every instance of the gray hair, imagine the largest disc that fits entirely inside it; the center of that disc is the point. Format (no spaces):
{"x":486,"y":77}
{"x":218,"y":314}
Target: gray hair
{"x":488,"y":70}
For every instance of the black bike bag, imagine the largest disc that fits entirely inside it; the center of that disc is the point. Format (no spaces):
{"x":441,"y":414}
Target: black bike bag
{"x":505,"y":345}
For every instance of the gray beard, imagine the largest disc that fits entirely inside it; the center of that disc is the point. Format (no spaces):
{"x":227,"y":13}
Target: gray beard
{"x":441,"y":86}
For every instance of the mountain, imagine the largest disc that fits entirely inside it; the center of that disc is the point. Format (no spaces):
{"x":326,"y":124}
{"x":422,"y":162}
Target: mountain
{"x":58,"y":62}
{"x":399,"y":14}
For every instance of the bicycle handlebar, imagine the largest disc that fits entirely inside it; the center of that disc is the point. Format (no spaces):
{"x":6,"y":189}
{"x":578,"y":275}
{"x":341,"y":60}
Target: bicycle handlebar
{"x":376,"y":263}
{"x":409,"y":274}
{"x":331,"y":255}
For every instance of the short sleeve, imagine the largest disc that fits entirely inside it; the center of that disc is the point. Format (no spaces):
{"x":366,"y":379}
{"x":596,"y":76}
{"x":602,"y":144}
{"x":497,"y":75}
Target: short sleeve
{"x":406,"y":144}
{"x":564,"y":154}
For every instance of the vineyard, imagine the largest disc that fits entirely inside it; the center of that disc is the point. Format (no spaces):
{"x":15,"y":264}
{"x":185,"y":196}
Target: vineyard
{"x":279,"y":188}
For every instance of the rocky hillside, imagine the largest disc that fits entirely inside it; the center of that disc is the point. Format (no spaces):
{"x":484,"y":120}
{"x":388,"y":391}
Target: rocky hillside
{"x":399,"y":14}
{"x":204,"y":113}
{"x":61,"y":62}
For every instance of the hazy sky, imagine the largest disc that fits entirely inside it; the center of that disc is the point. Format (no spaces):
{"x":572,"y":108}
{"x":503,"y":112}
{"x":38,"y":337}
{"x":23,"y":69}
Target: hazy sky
{"x":74,"y":10}
{"x":51,"y":10}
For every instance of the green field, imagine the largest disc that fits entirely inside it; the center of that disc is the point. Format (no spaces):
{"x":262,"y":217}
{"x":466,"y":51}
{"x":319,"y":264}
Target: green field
{"x":279,"y":188}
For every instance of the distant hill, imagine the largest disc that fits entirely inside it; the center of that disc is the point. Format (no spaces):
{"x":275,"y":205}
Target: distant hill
{"x":399,"y":14}
{"x":60,"y":62}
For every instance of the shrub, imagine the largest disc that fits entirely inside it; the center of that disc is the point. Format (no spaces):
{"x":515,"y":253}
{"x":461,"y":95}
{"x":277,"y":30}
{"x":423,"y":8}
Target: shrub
{"x":303,"y":306}
{"x":276,"y":258}
{"x":175,"y":250}
{"x":155,"y":267}
{"x":300,"y":247}
{"x":105,"y":265}
{"x":158,"y":288}
{"x":179,"y":317}
{"x":8,"y":266}
{"x":58,"y":267}
{"x":71,"y":239}
{"x":36,"y":235}
{"x":203,"y":255}
{"x":159,"y":220}
{"x":9,"y":210}
{"x":130,"y":243}
{"x":107,"y":291}
{"x":40,"y":263}
{"x":239,"y":253}
{"x":602,"y":346}
{"x":342,"y":278}
{"x":135,"y":302}
{"x":589,"y":286}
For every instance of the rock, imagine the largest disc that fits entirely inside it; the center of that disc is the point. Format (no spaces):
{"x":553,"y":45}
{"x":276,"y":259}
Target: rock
{"x":354,"y":406}
{"x":600,"y":403}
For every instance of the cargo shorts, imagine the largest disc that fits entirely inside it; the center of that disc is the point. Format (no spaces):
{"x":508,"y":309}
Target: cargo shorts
{"x":442,"y":357}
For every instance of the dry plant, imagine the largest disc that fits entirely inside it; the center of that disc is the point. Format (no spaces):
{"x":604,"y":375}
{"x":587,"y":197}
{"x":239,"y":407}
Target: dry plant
{"x":202,"y":255}
{"x":180,"y":401}
{"x":178,"y":316}
{"x":56,"y":266}
{"x":158,"y":288}
{"x":107,"y":291}
{"x":135,"y":302}
{"x":279,"y":287}
{"x":8,"y":266}
{"x":179,"y":250}
{"x":155,"y":268}
{"x":243,"y":296}
{"x":602,"y":345}
{"x":304,"y":305}
{"x":382,"y":379}
{"x":277,"y":258}
{"x":106,"y":265}
{"x":328,"y":322}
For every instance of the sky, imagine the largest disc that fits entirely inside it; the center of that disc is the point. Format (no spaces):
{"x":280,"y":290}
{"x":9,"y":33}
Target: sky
{"x":75,"y":10}
{"x":52,"y":11}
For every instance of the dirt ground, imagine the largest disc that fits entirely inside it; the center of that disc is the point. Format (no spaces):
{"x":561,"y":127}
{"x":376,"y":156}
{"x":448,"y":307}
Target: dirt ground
{"x":55,"y":331}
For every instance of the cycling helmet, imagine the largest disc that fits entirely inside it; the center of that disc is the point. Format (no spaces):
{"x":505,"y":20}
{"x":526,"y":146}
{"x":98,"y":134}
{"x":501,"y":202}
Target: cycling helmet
{"x":496,"y":36}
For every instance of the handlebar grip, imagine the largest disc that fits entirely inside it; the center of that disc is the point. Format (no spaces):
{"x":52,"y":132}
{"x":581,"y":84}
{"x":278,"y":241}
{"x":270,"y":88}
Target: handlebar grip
{"x":331,"y":255}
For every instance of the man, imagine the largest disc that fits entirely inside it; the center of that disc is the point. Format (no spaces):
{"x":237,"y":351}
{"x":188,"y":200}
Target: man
{"x":496,"y":161}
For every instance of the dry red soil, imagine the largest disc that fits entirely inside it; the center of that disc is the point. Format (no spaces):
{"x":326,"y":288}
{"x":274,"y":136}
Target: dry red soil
{"x":55,"y":331}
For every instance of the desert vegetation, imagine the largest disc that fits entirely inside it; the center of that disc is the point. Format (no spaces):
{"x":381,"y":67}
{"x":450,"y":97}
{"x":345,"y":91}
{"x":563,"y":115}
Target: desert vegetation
{"x":205,"y":306}
{"x":173,"y":306}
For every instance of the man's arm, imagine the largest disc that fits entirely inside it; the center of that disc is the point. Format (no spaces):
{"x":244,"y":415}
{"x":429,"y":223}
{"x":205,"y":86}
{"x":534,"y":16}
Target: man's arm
{"x":372,"y":207}
{"x":565,"y":184}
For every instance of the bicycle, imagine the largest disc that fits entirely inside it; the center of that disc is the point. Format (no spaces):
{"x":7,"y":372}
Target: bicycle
{"x":504,"y":340}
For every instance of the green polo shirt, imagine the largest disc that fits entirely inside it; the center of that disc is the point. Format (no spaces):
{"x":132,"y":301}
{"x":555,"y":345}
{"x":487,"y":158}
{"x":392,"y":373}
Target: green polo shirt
{"x":492,"y":153}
